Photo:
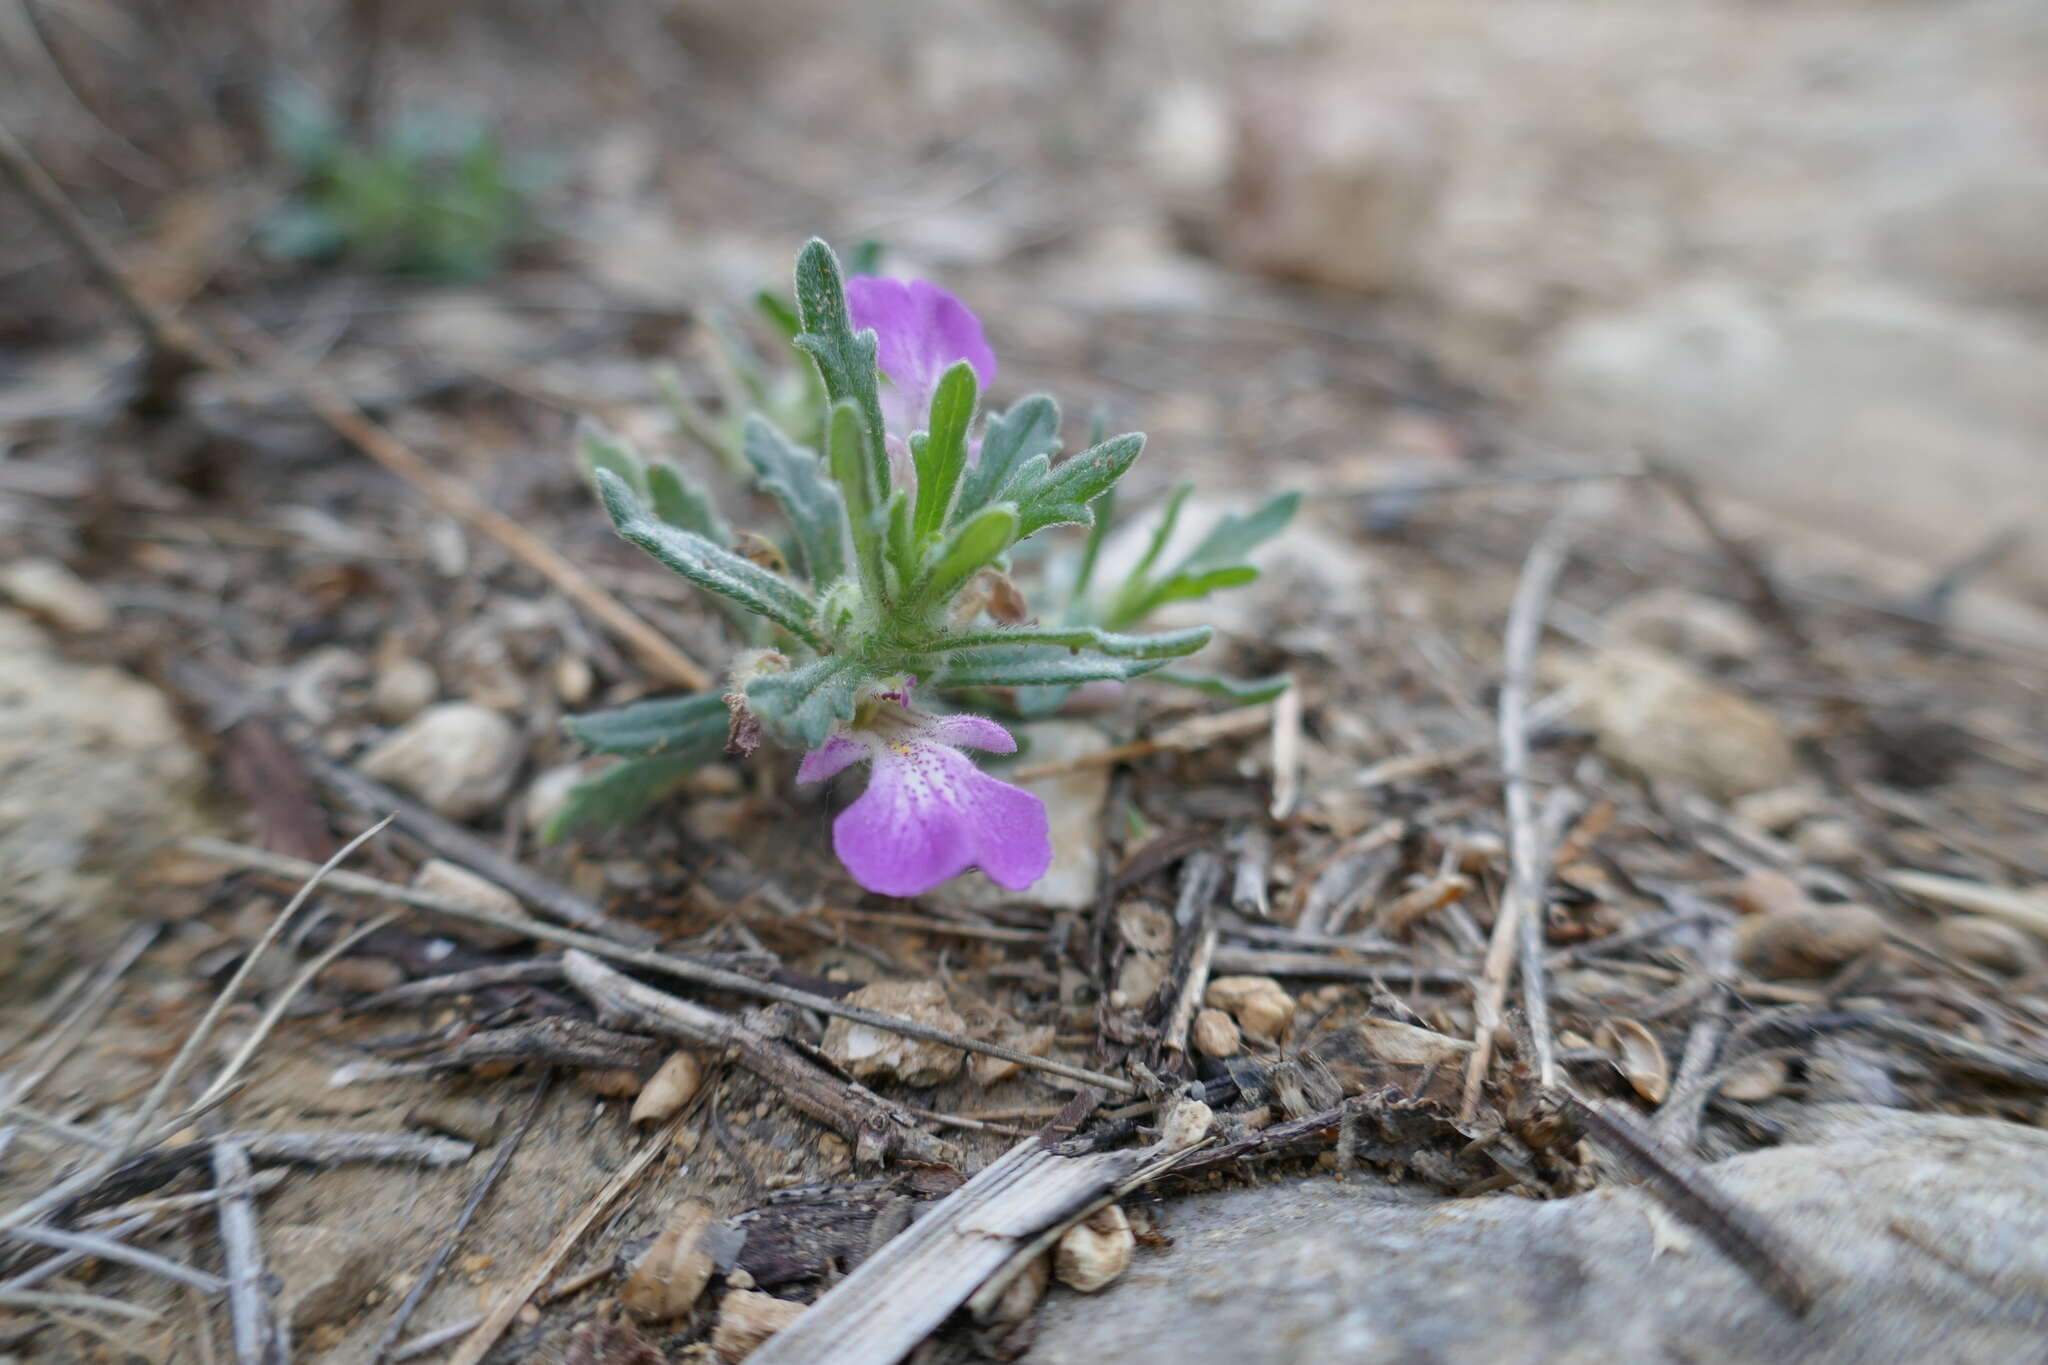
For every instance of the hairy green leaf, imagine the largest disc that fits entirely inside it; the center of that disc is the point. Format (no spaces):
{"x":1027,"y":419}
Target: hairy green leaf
{"x":1037,"y":668}
{"x":710,"y":567}
{"x":792,"y":476}
{"x":646,"y":728}
{"x":1063,"y":496}
{"x":680,"y":501}
{"x":969,"y":548}
{"x":846,"y":455}
{"x":618,"y":794}
{"x":1234,"y":537}
{"x":800,"y":707}
{"x":942,"y":457}
{"x":846,"y":362}
{"x":1030,"y":428}
{"x":602,"y":449}
{"x":1245,"y":691}
{"x":1171,"y":644}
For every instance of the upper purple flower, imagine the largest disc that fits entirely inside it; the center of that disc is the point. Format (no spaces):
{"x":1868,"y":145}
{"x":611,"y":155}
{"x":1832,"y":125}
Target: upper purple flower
{"x":928,"y":813}
{"x":921,"y":331}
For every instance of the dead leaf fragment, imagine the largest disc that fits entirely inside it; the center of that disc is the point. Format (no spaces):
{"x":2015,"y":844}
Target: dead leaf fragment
{"x":1642,"y":1059}
{"x":666,"y":1281}
{"x":746,"y":1318}
{"x":673,"y":1085}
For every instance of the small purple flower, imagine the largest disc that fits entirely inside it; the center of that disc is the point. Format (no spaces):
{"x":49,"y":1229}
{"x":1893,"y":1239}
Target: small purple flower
{"x":921,"y":331}
{"x":928,"y":813}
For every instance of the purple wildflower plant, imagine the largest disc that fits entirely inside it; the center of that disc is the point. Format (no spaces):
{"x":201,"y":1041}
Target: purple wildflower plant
{"x":898,"y":523}
{"x":929,"y":814}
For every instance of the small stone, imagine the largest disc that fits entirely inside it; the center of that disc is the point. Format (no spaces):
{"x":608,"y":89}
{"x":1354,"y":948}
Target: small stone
{"x":1769,"y":893}
{"x":1828,"y":841}
{"x":440,"y":877}
{"x":1989,"y":943}
{"x":474,"y":1121}
{"x":573,"y":679}
{"x":1215,"y":1034}
{"x":549,"y":791}
{"x":362,"y":975}
{"x":673,"y":1085}
{"x":720,"y":820}
{"x":1755,"y":1079}
{"x":456,"y":756}
{"x":746,"y":1318}
{"x":327,"y":1272}
{"x":612,"y":1082}
{"x":1036,"y":1040}
{"x":404,"y":687}
{"x":1807,"y":942}
{"x":666,"y":1281}
{"x":47,"y":589}
{"x":1138,"y":978}
{"x":1095,"y":1250}
{"x":1689,"y":625}
{"x":1779,"y":809}
{"x":1656,"y":716}
{"x":1260,"y":1005}
{"x":874,"y":1054}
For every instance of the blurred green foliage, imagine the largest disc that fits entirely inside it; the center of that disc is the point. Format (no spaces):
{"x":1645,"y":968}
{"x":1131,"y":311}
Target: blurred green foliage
{"x":435,"y":195}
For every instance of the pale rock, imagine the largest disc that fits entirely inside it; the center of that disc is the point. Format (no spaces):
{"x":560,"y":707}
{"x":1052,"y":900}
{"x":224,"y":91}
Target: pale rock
{"x":50,"y":590}
{"x":667,"y":1280}
{"x":871,"y":1054}
{"x":1828,"y":841}
{"x":1261,"y":1006}
{"x":327,"y":1271}
{"x":439,"y":877}
{"x":574,"y":679}
{"x":403,"y":687}
{"x":1214,"y":1034}
{"x":362,"y":975}
{"x":1808,"y":941}
{"x":746,"y":1318}
{"x":1359,"y":1270}
{"x":549,"y":791}
{"x":1091,"y":1254}
{"x":1138,"y":978}
{"x":674,"y":1084}
{"x":95,"y":777}
{"x":1332,"y":183}
{"x":1779,"y":809}
{"x":1660,"y":719}
{"x":1989,"y":943}
{"x":456,"y":756}
{"x":1034,"y":1039}
{"x":1693,"y":626}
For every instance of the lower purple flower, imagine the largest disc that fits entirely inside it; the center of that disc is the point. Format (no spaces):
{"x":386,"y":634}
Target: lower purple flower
{"x":928,"y":813}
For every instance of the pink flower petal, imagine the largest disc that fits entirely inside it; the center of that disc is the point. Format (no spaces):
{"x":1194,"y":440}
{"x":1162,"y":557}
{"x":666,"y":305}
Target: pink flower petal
{"x":830,"y":759}
{"x":929,"y":814}
{"x":920,"y":332}
{"x":972,"y":732}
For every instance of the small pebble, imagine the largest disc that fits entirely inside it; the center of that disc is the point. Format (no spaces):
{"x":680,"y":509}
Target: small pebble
{"x":1828,"y":841}
{"x":1778,"y":809}
{"x":50,"y":590}
{"x":1989,"y":943}
{"x":1094,"y":1251}
{"x":1262,"y":1008}
{"x":403,"y":688}
{"x":1807,"y":942}
{"x":1215,"y":1034}
{"x":746,"y":1318}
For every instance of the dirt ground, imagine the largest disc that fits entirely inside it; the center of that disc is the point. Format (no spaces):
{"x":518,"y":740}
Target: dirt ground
{"x":1734,"y":766}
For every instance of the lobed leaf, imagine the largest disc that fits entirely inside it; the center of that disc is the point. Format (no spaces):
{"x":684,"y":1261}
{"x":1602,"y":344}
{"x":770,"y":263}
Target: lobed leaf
{"x":1234,"y":537}
{"x":710,"y":567}
{"x":793,"y":476}
{"x":646,"y":728}
{"x":1029,"y":429}
{"x":680,"y":501}
{"x":1063,"y":495}
{"x":846,"y":362}
{"x":800,"y":707}
{"x":618,"y":794}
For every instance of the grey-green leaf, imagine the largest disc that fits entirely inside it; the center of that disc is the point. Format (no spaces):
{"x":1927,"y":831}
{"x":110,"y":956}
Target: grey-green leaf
{"x":1244,"y":691}
{"x":1037,"y":668}
{"x":645,"y":728}
{"x":800,"y":707}
{"x":1234,"y":537}
{"x":846,"y":361}
{"x":602,"y":449}
{"x":943,"y":456}
{"x":1171,"y":644}
{"x":1031,"y":427}
{"x":618,"y":794}
{"x":1064,"y":496}
{"x":969,"y":548}
{"x":794,"y":477}
{"x":680,"y":501}
{"x":710,"y":567}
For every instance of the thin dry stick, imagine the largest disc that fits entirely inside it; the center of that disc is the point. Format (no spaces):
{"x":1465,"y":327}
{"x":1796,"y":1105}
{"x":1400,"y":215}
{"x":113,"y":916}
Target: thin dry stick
{"x":175,"y":350}
{"x":90,"y":1303}
{"x":712,"y":977}
{"x":453,"y":498}
{"x":1525,"y":883}
{"x":107,"y":1248}
{"x":260,"y":1338}
{"x":1286,"y":752}
{"x":479,"y":1342}
{"x":139,"y":1126}
{"x":57,"y":1265}
{"x":153,"y":1101}
{"x":392,"y":1331}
